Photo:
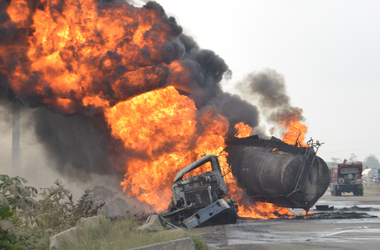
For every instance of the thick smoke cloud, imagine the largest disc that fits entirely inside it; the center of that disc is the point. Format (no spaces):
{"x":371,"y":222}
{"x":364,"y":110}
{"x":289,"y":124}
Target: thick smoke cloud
{"x":5,"y":113}
{"x":208,"y":70}
{"x":268,"y":88}
{"x":80,"y":142}
{"x":77,"y":144}
{"x":235,"y":110}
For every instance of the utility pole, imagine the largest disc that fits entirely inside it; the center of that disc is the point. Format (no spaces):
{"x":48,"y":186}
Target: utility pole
{"x":16,"y":162}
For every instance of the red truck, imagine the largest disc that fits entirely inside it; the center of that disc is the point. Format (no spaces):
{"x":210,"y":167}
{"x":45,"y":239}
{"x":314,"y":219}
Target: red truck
{"x":346,"y":177}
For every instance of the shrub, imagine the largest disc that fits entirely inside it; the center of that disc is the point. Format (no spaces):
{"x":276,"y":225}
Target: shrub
{"x":199,"y":242}
{"x":14,"y":194}
{"x":56,"y":212}
{"x":8,"y":241}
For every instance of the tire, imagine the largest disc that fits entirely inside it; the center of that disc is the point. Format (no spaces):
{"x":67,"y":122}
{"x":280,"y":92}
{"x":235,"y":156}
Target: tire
{"x":232,"y":216}
{"x":360,"y":192}
{"x":335,"y":191}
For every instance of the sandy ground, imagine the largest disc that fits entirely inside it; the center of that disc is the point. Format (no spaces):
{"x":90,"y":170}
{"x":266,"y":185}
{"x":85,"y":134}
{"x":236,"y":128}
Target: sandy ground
{"x":363,"y":233}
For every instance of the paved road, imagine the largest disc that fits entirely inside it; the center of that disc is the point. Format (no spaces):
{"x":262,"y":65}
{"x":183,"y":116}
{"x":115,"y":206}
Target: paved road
{"x":296,"y":234}
{"x":349,"y":199}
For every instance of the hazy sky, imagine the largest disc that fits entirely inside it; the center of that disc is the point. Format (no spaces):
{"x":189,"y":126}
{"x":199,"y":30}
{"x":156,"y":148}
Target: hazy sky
{"x":328,"y":52}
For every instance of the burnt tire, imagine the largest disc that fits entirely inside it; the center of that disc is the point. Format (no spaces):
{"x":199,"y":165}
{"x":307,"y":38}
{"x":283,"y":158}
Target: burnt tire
{"x":232,"y":215}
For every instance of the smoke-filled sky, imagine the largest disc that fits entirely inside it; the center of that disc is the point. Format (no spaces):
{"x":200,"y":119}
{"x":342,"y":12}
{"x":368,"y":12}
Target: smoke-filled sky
{"x":327,"y":52}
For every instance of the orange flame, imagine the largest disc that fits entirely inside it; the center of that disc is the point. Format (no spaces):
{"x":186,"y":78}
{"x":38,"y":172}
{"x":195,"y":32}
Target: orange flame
{"x":243,"y":130}
{"x":308,"y":213}
{"x":87,"y":55}
{"x":295,"y":134}
{"x":160,"y":128}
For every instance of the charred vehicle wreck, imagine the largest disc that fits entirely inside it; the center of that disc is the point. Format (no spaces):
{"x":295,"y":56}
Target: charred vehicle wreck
{"x":269,"y":171}
{"x":201,"y":199}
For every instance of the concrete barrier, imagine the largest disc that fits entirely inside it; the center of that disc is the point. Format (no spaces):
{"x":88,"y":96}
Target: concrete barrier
{"x":69,"y":236}
{"x":181,"y":244}
{"x":153,"y":223}
{"x":371,"y":190}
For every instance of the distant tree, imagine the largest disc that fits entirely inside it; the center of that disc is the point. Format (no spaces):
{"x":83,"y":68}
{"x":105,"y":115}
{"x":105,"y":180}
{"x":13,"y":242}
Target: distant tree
{"x":371,"y":161}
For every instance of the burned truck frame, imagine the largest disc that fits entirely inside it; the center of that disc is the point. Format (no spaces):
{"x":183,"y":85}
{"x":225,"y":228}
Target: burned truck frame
{"x":203,"y":198}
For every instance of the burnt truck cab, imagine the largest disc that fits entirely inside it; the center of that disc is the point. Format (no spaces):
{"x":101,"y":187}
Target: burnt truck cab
{"x":346,"y":177}
{"x":201,"y":198}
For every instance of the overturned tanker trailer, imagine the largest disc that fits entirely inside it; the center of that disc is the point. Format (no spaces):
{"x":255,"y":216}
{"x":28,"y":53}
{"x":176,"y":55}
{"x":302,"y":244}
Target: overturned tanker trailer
{"x":279,"y":173}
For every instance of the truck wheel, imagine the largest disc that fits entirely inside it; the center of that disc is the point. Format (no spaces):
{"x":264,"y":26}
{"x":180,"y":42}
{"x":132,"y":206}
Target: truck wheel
{"x":338,"y":192}
{"x":335,"y":191}
{"x":355,"y":192}
{"x":361,"y":192}
{"x":232,"y":216}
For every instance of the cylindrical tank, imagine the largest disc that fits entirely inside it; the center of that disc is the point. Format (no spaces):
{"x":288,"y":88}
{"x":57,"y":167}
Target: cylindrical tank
{"x":276,"y":172}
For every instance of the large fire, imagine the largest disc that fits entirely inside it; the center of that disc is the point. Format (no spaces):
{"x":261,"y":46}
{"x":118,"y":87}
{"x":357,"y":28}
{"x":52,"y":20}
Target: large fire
{"x":160,"y":127}
{"x":86,"y":55}
{"x":112,"y":58}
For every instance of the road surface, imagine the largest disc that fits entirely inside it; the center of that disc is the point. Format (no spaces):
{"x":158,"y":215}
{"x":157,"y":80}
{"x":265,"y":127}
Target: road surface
{"x":363,"y":233}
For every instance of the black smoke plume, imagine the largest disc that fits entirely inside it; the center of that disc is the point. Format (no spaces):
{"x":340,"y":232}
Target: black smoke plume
{"x":79,"y":142}
{"x":268,"y":88}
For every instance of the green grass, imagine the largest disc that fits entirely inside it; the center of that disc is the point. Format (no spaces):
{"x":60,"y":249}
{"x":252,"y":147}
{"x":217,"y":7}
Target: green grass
{"x":121,"y":235}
